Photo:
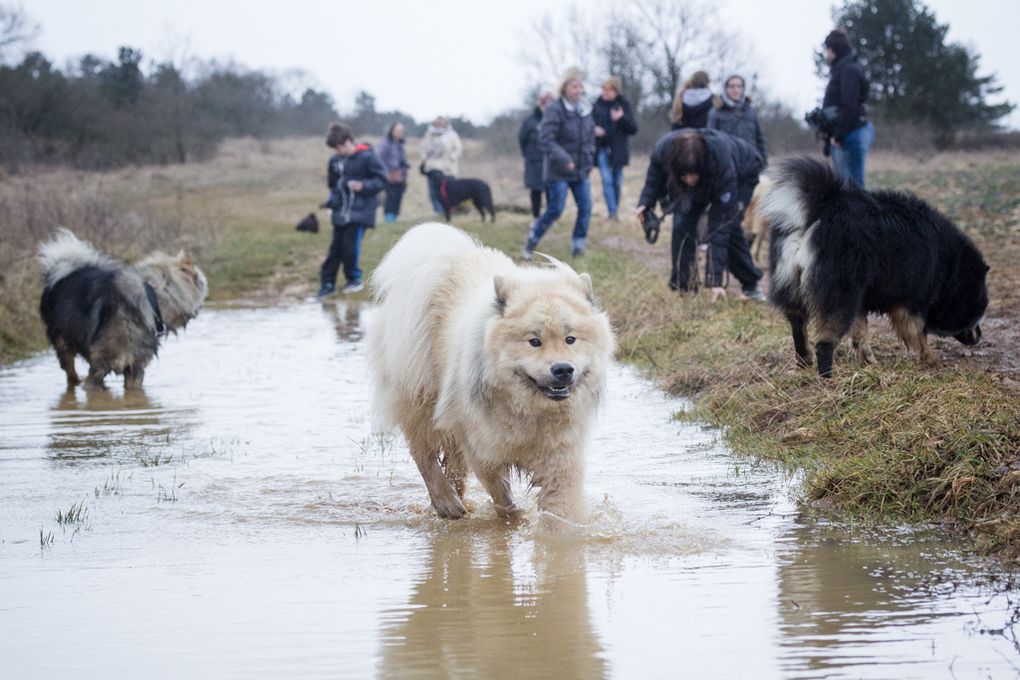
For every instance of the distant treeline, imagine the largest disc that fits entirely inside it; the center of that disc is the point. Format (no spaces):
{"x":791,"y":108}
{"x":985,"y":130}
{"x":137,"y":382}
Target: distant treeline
{"x":100,"y":113}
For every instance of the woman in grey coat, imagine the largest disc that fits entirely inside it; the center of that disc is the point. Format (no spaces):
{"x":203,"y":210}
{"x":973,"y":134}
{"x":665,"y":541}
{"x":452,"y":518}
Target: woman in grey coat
{"x":567,"y":135}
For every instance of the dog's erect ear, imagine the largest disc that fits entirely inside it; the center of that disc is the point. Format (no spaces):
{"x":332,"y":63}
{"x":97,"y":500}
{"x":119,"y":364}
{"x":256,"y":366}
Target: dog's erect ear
{"x":502,"y":286}
{"x":586,"y":286}
{"x":186,"y":262}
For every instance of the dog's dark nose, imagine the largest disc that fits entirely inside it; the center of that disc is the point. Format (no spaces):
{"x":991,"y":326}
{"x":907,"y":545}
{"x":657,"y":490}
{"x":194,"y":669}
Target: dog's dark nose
{"x":563,"y":372}
{"x":971,"y":336}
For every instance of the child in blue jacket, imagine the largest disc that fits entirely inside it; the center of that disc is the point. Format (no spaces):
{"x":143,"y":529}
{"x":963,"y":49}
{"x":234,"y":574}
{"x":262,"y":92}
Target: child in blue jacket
{"x":354,"y":177}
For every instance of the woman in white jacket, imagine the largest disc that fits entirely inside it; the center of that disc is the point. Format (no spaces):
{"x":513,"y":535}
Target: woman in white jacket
{"x":440,"y":150}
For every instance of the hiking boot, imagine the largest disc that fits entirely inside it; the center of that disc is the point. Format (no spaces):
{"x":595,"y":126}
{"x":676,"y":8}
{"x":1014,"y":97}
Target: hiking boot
{"x":577,"y":252}
{"x":526,"y":253}
{"x":755,"y":293}
{"x":353,"y":287}
{"x":325,"y":291}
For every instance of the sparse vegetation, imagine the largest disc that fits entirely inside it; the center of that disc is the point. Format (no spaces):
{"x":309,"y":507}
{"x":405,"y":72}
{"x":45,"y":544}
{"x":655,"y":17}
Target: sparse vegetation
{"x":75,"y":516}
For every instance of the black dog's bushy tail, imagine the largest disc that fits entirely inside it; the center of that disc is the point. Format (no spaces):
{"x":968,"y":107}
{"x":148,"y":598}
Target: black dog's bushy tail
{"x":804,"y":188}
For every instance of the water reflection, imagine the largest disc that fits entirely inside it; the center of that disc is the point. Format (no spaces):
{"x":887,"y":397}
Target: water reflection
{"x":493,"y":605}
{"x":128,"y":425}
{"x":847,"y":598}
{"x":346,"y":315}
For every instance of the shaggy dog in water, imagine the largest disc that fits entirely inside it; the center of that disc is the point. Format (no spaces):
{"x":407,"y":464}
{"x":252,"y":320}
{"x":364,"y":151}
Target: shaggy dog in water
{"x":112,"y":314}
{"x":452,"y":192}
{"x":487,"y":366}
{"x":839,"y":252}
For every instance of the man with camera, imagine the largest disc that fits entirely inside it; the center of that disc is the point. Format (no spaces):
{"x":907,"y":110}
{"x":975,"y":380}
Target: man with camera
{"x":842,"y":119}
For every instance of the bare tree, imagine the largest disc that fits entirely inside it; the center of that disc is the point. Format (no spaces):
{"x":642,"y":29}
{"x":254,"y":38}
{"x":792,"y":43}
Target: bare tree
{"x":557,"y":43}
{"x":16,"y":30}
{"x":653,"y":45}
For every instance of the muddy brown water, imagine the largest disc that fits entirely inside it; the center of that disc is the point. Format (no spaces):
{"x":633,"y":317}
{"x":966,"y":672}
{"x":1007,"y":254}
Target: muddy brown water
{"x":239,"y":518}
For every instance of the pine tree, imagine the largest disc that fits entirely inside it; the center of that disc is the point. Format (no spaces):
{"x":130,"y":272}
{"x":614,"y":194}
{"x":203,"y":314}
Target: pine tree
{"x":915,"y":74}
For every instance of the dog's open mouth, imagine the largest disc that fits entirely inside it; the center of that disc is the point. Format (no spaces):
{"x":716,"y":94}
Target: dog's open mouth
{"x":556,"y":393}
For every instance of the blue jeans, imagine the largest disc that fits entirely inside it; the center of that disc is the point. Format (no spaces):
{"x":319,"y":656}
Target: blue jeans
{"x":344,"y":250}
{"x":849,"y":158}
{"x":556,"y":193}
{"x":437,"y":205}
{"x":612,"y":181}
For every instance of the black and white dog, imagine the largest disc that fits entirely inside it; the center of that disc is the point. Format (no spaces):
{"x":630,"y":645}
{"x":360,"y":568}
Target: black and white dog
{"x":113,"y":314}
{"x":453,"y":191}
{"x":839,"y":252}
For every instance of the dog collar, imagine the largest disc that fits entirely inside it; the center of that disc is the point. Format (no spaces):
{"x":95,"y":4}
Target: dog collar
{"x":150,"y":293}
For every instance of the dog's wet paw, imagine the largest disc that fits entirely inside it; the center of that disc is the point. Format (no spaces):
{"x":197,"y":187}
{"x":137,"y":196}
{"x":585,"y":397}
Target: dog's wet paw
{"x":449,"y":508}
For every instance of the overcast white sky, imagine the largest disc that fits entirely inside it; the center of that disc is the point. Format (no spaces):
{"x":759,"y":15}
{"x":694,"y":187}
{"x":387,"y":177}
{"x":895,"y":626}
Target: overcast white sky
{"x":456,"y":56}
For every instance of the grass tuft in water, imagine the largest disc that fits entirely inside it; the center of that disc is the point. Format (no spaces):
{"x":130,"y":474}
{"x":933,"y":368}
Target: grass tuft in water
{"x":76,"y":516}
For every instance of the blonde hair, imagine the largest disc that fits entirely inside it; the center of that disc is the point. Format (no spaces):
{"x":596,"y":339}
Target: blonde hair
{"x":614,"y":82}
{"x":572,"y":73}
{"x":697,"y":81}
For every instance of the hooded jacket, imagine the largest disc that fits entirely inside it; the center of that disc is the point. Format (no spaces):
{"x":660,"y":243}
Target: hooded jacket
{"x":740,"y":120}
{"x":847,"y":90}
{"x":349,"y":206}
{"x":697,"y":102}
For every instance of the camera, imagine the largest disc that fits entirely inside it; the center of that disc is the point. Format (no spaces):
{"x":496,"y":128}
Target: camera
{"x":822,"y":120}
{"x":650,"y":222}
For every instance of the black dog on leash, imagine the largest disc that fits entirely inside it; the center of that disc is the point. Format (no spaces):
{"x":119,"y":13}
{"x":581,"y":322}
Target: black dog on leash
{"x":452,"y":192}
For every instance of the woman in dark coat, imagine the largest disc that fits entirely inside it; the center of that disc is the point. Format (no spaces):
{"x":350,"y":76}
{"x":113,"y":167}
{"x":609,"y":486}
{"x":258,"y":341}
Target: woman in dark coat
{"x":694,"y":170}
{"x":614,"y":124}
{"x":531,"y":149}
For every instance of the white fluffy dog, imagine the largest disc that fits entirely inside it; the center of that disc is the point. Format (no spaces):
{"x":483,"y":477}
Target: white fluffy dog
{"x":488,"y":366}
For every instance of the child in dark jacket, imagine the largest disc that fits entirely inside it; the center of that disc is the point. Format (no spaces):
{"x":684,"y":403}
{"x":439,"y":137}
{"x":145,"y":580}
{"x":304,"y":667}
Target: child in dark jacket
{"x":355,"y":176}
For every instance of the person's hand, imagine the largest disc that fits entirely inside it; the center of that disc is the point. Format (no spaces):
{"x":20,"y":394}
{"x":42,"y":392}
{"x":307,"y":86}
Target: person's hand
{"x":600,"y":131}
{"x":833,"y":142}
{"x":356,"y":185}
{"x":616,"y":114}
{"x":718,"y":293}
{"x":571,"y":166}
{"x":640,"y":214}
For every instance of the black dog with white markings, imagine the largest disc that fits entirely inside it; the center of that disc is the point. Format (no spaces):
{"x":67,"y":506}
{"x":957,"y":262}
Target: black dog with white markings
{"x":839,"y":252}
{"x":452,"y":192}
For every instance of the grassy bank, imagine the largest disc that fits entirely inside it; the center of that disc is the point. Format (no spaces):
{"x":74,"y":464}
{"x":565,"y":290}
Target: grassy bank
{"x":894,"y":441}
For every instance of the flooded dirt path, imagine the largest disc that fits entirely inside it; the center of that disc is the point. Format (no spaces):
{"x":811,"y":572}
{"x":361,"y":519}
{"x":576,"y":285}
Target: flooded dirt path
{"x":239,"y":518}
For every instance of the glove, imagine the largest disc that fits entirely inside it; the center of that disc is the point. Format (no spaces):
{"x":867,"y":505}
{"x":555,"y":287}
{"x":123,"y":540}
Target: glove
{"x":651,"y":222}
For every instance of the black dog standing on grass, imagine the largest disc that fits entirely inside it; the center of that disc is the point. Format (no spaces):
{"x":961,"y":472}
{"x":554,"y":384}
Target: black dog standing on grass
{"x":839,"y":252}
{"x":452,"y":192}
